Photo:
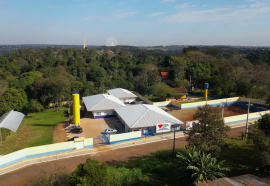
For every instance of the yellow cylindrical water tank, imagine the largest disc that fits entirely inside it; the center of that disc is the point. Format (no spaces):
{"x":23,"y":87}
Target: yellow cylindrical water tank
{"x":76,"y":109}
{"x":205,"y":93}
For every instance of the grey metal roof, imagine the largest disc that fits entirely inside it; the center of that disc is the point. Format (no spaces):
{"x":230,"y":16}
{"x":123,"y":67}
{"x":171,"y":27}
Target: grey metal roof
{"x":121,"y":93}
{"x":102,"y":102}
{"x":11,"y":120}
{"x":144,"y":115}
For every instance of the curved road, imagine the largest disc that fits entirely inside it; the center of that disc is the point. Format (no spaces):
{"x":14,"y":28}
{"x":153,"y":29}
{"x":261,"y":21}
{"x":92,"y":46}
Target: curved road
{"x":26,"y":175}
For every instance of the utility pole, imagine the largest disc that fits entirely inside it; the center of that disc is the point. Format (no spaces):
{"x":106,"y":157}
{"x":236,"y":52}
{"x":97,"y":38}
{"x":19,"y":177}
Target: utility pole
{"x":247,"y":119}
{"x":174,"y":142}
{"x":190,"y":83}
{"x":222,"y":109}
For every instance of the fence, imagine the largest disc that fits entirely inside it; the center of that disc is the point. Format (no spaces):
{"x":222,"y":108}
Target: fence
{"x":243,"y":117}
{"x":125,"y":137}
{"x":62,"y":147}
{"x":220,"y":102}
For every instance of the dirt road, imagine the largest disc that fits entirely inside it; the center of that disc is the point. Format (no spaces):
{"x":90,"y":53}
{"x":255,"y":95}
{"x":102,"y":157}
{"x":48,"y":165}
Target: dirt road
{"x":28,"y":174}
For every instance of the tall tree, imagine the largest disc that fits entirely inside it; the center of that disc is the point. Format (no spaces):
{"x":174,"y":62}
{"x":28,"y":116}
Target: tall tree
{"x":209,"y":134}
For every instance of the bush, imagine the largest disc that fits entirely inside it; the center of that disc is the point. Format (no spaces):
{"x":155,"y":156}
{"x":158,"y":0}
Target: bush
{"x":197,"y":166}
{"x":124,"y":177}
{"x":90,"y":174}
{"x":34,"y":105}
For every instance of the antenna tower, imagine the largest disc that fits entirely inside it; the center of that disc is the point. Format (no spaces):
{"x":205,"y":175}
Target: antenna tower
{"x":84,"y":45}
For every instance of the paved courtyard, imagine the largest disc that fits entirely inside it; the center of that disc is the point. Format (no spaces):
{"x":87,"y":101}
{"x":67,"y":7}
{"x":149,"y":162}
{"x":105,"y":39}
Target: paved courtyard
{"x":92,"y":128}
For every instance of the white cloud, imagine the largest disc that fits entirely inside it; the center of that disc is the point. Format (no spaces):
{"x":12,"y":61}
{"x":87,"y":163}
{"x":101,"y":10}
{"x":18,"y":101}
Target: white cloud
{"x":96,"y":18}
{"x":185,"y":5}
{"x":258,"y":4}
{"x":168,"y":1}
{"x":53,"y":6}
{"x":126,"y":14}
{"x":121,"y":4}
{"x":156,"y":14}
{"x":218,"y":15}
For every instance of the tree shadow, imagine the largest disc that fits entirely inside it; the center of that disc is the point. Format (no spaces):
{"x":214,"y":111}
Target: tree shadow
{"x":43,"y":125}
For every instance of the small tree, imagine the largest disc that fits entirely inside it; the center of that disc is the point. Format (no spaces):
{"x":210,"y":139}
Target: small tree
{"x":160,"y":90}
{"x":197,"y":166}
{"x":209,"y":135}
{"x":90,"y":174}
{"x":34,"y":105}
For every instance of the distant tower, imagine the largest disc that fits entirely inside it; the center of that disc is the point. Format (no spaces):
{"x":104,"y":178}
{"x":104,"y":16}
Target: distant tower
{"x":84,"y":45}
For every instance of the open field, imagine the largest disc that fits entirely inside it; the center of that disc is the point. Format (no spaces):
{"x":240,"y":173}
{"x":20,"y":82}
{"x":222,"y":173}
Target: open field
{"x":187,"y":114}
{"x":36,"y":129}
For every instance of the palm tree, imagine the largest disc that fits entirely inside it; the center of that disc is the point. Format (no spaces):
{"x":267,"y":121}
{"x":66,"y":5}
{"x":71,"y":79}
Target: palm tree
{"x":198,"y":166}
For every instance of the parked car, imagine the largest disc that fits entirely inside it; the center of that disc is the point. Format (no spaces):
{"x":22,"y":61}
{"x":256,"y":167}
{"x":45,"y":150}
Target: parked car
{"x":110,"y":131}
{"x":72,"y":139}
{"x":74,"y":126}
{"x":76,"y":130}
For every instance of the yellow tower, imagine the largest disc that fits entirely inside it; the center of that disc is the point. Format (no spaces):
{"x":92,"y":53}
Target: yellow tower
{"x":206,"y":87}
{"x":84,"y":44}
{"x":76,"y":109}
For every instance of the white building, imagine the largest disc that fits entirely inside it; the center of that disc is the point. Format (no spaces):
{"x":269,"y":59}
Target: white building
{"x":145,"y":117}
{"x":124,"y":95}
{"x":102,"y":105}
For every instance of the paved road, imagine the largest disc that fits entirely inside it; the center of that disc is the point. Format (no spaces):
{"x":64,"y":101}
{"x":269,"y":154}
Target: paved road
{"x":26,"y":175}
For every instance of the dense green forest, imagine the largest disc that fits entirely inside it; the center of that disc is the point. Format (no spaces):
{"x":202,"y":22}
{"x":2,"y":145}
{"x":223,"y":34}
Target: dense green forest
{"x":30,"y":79}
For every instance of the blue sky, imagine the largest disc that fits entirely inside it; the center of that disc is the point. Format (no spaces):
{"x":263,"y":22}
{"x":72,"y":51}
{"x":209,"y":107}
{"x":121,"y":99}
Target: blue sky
{"x":136,"y":22}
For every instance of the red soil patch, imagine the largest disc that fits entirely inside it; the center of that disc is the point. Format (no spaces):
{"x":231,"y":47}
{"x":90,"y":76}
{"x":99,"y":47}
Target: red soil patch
{"x":187,"y":114}
{"x":59,"y":132}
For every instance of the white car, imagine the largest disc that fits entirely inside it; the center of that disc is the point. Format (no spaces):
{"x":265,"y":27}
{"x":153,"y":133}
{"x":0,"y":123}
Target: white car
{"x":190,"y":124}
{"x":110,"y":131}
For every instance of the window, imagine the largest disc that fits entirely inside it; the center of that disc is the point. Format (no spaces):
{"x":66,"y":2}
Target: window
{"x":113,"y":113}
{"x":106,"y":113}
{"x":124,"y":100}
{"x":98,"y":113}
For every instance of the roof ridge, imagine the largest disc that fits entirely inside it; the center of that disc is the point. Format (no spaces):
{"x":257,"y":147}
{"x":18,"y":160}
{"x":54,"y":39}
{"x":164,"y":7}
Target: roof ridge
{"x":99,"y":102}
{"x":140,"y":117}
{"x":120,"y":92}
{"x":162,"y":113}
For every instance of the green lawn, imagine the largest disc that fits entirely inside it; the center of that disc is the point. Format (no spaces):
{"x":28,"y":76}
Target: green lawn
{"x":36,"y":129}
{"x":240,"y":157}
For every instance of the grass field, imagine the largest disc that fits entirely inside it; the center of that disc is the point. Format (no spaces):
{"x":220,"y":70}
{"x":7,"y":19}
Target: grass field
{"x":36,"y":129}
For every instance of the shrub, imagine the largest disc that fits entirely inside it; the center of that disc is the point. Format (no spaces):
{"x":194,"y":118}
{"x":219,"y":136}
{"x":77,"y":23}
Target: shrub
{"x":124,"y":177}
{"x":198,"y":166}
{"x":90,"y":174}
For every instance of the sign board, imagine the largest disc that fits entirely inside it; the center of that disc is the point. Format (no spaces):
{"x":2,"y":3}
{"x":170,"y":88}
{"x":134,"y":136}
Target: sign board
{"x":163,"y":127}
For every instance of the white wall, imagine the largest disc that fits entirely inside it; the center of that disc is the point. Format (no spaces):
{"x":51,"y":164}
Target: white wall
{"x":255,"y":101}
{"x":13,"y":157}
{"x":243,"y":117}
{"x":212,"y":102}
{"x":102,"y":112}
{"x":128,"y":99}
{"x":124,"y":137}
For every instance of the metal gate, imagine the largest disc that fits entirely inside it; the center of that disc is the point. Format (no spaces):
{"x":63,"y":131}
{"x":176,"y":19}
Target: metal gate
{"x":103,"y":140}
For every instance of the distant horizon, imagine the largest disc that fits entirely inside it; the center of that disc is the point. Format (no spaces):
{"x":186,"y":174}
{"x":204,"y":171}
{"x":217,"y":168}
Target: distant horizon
{"x":139,"y":45}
